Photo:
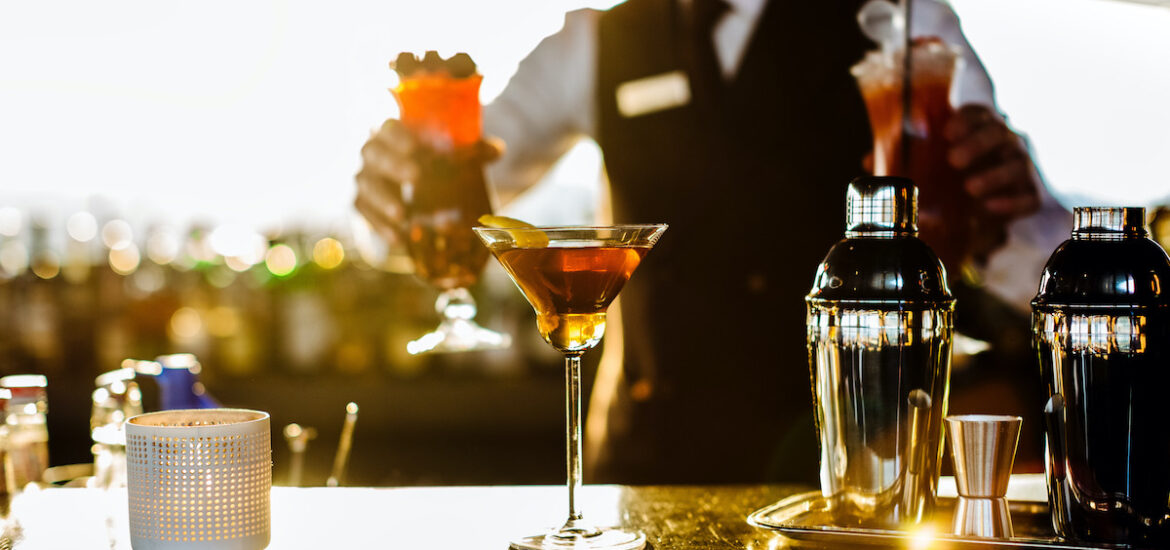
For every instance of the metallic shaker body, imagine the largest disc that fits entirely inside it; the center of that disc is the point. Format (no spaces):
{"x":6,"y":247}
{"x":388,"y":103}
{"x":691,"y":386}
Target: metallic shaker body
{"x":879,"y":336}
{"x":1101,"y":324}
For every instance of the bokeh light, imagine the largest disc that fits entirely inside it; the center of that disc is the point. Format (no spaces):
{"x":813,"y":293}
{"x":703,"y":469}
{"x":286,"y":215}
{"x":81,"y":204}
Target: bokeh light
{"x":117,"y":233}
{"x":82,"y":227}
{"x":124,"y":259}
{"x":328,"y":253}
{"x":46,"y":265}
{"x":10,"y":221}
{"x":185,"y":324}
{"x":239,"y":245}
{"x":281,"y":260}
{"x":223,"y":321}
{"x":162,"y":247}
{"x":13,"y":258}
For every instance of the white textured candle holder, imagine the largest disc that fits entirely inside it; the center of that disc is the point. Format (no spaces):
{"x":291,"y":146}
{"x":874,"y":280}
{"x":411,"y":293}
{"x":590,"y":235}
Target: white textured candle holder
{"x":199,"y":479}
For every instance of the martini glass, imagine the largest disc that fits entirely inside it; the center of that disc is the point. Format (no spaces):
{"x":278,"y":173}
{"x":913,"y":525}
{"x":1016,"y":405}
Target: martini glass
{"x":570,"y":275}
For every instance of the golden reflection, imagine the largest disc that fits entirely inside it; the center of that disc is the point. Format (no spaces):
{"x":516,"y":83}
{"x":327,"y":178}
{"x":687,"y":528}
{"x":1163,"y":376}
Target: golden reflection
{"x":124,"y":258}
{"x":46,"y":265}
{"x":185,"y":324}
{"x":223,"y":321}
{"x":328,"y":253}
{"x":922,"y":538}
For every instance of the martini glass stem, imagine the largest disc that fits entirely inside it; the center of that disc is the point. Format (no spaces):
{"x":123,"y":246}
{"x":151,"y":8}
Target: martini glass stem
{"x":573,"y":432}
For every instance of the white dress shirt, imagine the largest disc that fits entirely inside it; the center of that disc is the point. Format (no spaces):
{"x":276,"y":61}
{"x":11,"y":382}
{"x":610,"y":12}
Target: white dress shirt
{"x":550,"y":103}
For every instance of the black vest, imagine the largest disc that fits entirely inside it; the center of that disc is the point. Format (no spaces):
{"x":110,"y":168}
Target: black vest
{"x":751,"y":179}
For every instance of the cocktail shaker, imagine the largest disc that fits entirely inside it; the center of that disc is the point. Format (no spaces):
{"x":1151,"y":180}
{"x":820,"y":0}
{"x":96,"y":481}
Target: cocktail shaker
{"x":879,"y":338}
{"x":1101,"y":324}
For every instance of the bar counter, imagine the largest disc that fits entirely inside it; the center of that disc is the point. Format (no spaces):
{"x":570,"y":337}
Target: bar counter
{"x":672,"y":517}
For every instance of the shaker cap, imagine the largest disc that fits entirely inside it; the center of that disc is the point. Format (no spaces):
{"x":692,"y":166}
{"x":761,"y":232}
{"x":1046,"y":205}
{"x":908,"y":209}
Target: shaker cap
{"x":881,"y":260}
{"x":1104,"y":220}
{"x":1109,"y":262}
{"x":881,"y":204}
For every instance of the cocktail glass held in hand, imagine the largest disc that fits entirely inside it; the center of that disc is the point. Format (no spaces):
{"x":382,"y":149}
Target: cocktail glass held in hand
{"x":570,"y":275}
{"x":439,"y":100}
{"x":916,"y":147}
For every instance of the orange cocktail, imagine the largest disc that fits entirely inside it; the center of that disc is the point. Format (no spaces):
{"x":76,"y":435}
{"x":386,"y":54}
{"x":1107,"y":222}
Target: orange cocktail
{"x":439,"y":102}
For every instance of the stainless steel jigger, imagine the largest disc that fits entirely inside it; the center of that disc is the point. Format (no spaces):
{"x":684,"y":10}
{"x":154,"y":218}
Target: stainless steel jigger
{"x":983,"y":448}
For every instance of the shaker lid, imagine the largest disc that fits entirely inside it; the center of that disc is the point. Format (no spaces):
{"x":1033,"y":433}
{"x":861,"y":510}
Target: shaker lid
{"x":881,"y":260}
{"x":881,"y":204}
{"x":1109,"y":262}
{"x":1103,"y":220}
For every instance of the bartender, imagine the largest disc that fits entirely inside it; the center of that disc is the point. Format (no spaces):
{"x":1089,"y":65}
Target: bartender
{"x":738,"y":123}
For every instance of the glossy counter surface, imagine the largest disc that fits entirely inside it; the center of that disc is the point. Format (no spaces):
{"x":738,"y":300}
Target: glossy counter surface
{"x":673,"y":517}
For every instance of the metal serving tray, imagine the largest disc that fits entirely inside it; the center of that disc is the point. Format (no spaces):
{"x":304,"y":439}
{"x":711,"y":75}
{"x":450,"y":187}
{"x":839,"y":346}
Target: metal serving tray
{"x":805,"y":517}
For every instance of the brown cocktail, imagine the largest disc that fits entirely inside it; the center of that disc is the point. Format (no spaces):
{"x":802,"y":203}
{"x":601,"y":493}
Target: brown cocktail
{"x":570,"y":275}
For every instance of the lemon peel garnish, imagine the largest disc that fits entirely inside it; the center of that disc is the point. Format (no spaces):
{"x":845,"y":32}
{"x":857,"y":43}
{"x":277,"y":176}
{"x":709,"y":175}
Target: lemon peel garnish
{"x":523,"y":233}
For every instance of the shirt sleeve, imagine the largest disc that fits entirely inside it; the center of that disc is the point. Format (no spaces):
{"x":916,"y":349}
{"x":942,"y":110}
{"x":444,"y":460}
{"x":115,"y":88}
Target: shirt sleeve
{"x":548,"y":104}
{"x":1013,"y":271}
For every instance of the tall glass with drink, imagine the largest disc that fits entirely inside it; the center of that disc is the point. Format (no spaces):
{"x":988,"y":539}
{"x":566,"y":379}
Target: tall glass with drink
{"x":918,"y":150}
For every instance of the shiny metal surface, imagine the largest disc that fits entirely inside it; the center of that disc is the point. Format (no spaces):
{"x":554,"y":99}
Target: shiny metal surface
{"x":885,"y":203}
{"x":983,"y":448}
{"x":987,"y":518}
{"x":808,"y":519}
{"x":879,"y":329}
{"x":1129,"y":220}
{"x":880,"y":384}
{"x":1101,"y":327}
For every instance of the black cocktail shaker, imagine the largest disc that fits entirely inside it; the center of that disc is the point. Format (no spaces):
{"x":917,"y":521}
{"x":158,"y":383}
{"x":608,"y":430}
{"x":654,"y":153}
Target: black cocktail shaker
{"x":1102,"y":332}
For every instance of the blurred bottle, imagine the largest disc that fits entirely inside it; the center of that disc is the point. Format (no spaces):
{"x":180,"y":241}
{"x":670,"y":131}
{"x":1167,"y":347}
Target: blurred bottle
{"x":116,"y":399}
{"x":27,"y":442}
{"x":179,"y":387}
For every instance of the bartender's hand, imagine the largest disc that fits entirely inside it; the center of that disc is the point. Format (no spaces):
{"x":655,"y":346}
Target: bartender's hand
{"x":997,"y":170}
{"x":390,"y":158}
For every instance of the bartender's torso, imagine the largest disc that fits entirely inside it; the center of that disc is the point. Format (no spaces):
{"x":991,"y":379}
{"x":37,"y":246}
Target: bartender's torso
{"x":750,"y":173}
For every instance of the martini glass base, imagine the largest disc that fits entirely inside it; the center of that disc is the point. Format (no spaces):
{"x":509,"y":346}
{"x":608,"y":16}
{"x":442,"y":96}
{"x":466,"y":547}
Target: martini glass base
{"x":457,"y":335}
{"x":582,"y":539}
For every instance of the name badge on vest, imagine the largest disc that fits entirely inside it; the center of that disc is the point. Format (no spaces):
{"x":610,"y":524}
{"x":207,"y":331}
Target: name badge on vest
{"x":653,"y":93}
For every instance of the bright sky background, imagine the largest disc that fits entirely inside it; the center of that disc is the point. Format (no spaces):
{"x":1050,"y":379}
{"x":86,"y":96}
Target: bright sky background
{"x":254,"y":112}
